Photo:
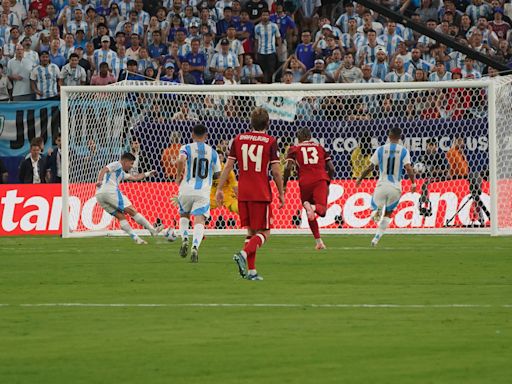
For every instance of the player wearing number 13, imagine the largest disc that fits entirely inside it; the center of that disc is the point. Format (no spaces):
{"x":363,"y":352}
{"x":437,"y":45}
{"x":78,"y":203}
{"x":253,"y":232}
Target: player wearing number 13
{"x":253,"y":151}
{"x":315,"y":173}
{"x":390,"y":159}
{"x":198,"y":165}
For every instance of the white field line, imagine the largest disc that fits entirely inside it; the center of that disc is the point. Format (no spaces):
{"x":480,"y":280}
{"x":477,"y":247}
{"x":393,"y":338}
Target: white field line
{"x":255,"y":305}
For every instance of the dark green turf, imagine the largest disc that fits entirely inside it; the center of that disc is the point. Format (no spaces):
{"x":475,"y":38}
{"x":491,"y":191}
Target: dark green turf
{"x":181,"y":344}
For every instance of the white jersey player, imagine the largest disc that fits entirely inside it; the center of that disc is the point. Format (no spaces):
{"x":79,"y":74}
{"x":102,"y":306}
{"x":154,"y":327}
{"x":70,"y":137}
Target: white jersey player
{"x":110,"y":198}
{"x":198,"y":165}
{"x":390,"y":159}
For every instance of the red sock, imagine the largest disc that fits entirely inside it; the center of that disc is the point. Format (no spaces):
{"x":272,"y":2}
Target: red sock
{"x":313,"y":225}
{"x":247,"y":239}
{"x":320,"y":210}
{"x":256,"y":241}
{"x":251,"y":260}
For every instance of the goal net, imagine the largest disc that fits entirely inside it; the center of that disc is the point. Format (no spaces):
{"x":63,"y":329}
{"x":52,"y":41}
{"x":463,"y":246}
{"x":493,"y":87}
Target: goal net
{"x":458,"y":134}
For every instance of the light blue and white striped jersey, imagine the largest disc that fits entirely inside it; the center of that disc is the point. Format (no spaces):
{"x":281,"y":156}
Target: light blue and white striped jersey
{"x":65,"y":51}
{"x":103,"y":56}
{"x":125,"y":7}
{"x":251,"y":72}
{"x":184,"y":50}
{"x":380,"y":70}
{"x":390,"y":42}
{"x":370,"y":53}
{"x":266,"y":34}
{"x":434,"y":76}
{"x":112,"y":179}
{"x":118,"y":65}
{"x":143,"y":18}
{"x":411,"y":66}
{"x":221,"y":61}
{"x":73,"y":26}
{"x":46,"y":79}
{"x":342,"y":21}
{"x":70,"y":12}
{"x":475,"y":73}
{"x":391,"y":159}
{"x":476,"y":11}
{"x":202,"y":163}
{"x":308,"y":6}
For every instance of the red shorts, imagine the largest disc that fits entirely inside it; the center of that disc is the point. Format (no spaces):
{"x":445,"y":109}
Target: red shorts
{"x":255,"y":214}
{"x":315,"y":193}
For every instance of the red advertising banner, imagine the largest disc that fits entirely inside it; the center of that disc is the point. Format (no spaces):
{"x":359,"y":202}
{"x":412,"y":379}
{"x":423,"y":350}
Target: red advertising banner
{"x":31,"y":209}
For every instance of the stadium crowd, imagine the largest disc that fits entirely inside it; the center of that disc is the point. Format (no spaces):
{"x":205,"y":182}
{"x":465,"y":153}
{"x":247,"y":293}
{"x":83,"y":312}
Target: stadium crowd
{"x":45,"y":44}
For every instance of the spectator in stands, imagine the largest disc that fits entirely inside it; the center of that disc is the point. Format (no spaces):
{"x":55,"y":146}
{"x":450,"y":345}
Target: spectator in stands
{"x":380,"y":67}
{"x":348,"y":73}
{"x":416,"y":62}
{"x":398,"y":75}
{"x":440,"y":73}
{"x":367,"y":54}
{"x":457,"y":162}
{"x":157,"y":48}
{"x":18,"y":70}
{"x":317,"y":74}
{"x":268,"y":39}
{"x":288,"y":31}
{"x":33,"y":169}
{"x":477,"y":9}
{"x":251,"y":73}
{"x":224,"y":59}
{"x":305,"y":52}
{"x":256,"y":8}
{"x":104,"y":54}
{"x":287,"y":77}
{"x":498,"y":25}
{"x":103,"y":77}
{"x":45,"y":79}
{"x":10,"y":46}
{"x":55,"y":55}
{"x":367,"y":77}
{"x":334,"y":63}
{"x":5,"y":86}
{"x":468,"y":71}
{"x":72,"y":73}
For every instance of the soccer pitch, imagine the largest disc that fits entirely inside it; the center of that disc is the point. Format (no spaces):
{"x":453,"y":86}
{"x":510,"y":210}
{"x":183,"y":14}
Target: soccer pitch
{"x":418,"y":309}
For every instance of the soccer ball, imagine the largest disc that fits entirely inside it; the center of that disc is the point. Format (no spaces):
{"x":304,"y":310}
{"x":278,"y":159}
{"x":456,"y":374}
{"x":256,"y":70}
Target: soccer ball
{"x":419,"y":167}
{"x":170,"y":235}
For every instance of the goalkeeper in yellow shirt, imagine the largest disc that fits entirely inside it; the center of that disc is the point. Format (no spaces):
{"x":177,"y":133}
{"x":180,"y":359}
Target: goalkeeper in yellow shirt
{"x":230,"y":190}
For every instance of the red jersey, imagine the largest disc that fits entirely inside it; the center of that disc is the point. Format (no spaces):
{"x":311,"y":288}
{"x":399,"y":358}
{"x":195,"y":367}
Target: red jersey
{"x":254,"y":151}
{"x":310,"y":159}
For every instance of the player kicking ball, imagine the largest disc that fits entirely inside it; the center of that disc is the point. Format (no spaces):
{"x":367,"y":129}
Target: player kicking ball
{"x":254,"y":151}
{"x":110,"y":198}
{"x":390,"y":159}
{"x":315,"y":173}
{"x":198,"y":165}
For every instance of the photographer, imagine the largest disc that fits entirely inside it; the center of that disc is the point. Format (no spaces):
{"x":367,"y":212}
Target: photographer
{"x":432,"y":167}
{"x":317,"y":74}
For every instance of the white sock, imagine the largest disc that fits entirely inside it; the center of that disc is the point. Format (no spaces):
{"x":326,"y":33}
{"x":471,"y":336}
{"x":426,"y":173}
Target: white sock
{"x":318,"y":241}
{"x":252,"y":272}
{"x":184,"y":223}
{"x":139,"y":219}
{"x":383,"y":224}
{"x":125,"y":226}
{"x":198,"y":235}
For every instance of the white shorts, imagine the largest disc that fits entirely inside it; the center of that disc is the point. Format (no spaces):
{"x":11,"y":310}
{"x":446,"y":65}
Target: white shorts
{"x":194,"y":205}
{"x":112,"y":202}
{"x":386,"y":195}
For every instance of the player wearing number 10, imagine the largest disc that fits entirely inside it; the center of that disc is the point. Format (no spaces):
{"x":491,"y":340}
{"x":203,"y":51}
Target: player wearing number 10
{"x":253,"y":151}
{"x":315,"y":173}
{"x":390,"y":159}
{"x":198,"y":165}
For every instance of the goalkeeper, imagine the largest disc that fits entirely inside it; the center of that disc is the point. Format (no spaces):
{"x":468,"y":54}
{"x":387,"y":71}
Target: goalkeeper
{"x":230,"y":190}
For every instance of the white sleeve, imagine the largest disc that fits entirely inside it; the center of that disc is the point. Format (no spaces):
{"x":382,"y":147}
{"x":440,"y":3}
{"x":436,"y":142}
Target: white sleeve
{"x":375,"y":159}
{"x":216,"y":166}
{"x":407,"y":158}
{"x":114,"y":166}
{"x":183,"y":151}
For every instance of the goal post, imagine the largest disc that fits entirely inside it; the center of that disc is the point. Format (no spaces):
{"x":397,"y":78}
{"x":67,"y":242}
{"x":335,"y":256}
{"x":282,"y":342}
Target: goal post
{"x":457,"y":132}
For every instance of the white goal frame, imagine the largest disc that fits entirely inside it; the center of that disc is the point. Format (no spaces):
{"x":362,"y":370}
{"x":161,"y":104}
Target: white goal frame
{"x":489,"y":85}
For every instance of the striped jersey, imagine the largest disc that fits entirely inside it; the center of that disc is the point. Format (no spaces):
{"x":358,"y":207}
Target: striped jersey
{"x":46,"y":79}
{"x":114,"y":176}
{"x":266,"y":35}
{"x":103,"y":56}
{"x":434,"y":76}
{"x":391,"y":159}
{"x":221,"y":61}
{"x":202,"y":163}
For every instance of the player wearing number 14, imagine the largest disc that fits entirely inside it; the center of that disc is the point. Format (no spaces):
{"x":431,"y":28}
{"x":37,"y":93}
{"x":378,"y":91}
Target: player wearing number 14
{"x":253,"y":151}
{"x":315,"y":173}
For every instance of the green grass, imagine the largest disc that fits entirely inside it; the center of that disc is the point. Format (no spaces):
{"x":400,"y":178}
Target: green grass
{"x":300,"y":344}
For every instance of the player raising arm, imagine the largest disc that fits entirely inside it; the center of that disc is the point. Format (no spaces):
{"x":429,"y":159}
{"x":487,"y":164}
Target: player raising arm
{"x":198,"y":165}
{"x":390,"y":159}
{"x":110,"y":198}
{"x":253,"y":151}
{"x":315,"y":173}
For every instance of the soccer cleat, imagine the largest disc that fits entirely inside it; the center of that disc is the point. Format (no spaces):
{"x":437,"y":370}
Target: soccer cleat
{"x":184,"y":248}
{"x":320,"y":245}
{"x":309,"y":211}
{"x":375,"y":240}
{"x":194,"y":256}
{"x":255,"y":277}
{"x":139,"y":241}
{"x":375,"y":216}
{"x":241,"y":263}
